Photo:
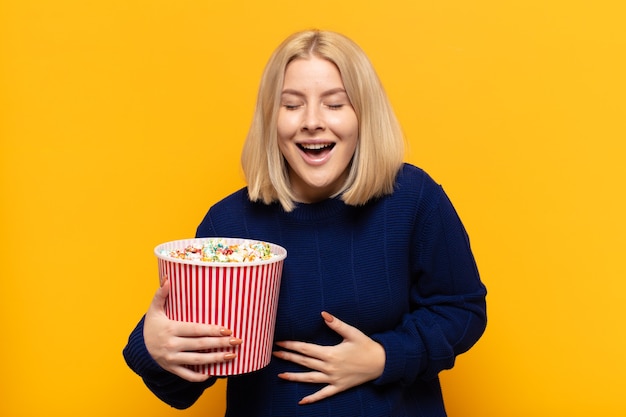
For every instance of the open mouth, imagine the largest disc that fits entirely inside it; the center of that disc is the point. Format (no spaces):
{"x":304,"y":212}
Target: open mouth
{"x":316,"y":149}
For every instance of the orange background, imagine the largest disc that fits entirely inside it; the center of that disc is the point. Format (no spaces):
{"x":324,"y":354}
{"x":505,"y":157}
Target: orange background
{"x":121,"y":122}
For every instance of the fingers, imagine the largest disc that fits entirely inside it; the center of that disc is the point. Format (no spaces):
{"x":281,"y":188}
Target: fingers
{"x":185,"y":329}
{"x":341,"y":328}
{"x":177,"y":345}
{"x":307,"y":357}
{"x":188,"y":374}
{"x":199,"y":344}
{"x":158,"y":302}
{"x":177,"y":354}
{"x":309,"y":354}
{"x":181,"y":366}
{"x":189,"y":329}
{"x":355,"y":360}
{"x":325,"y":392}
{"x":200,"y":358}
{"x":328,"y":318}
{"x":315,"y":378}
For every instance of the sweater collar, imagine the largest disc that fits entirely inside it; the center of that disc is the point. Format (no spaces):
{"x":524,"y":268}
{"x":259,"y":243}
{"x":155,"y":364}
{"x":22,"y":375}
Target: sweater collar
{"x":328,"y":209}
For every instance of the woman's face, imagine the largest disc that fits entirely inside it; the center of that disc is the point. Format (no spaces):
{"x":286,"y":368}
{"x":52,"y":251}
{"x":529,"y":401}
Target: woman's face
{"x":317,"y":128}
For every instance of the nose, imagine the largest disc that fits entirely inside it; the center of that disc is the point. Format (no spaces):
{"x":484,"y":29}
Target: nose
{"x":313,"y":119}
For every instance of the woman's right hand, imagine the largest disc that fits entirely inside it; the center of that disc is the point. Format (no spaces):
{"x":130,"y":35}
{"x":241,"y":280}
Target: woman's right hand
{"x":174,"y":344}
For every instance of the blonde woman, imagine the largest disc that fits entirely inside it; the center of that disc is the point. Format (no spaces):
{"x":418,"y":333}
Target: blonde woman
{"x":380,"y":291}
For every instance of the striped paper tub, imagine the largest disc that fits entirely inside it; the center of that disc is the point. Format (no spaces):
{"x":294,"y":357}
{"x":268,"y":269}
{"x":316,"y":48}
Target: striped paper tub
{"x":240,"y":296}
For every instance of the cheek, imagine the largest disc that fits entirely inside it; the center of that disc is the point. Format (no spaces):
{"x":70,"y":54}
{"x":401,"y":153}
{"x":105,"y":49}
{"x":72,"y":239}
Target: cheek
{"x":284,"y":136}
{"x":282,"y":146}
{"x":346,"y":127}
{"x":286,"y":126}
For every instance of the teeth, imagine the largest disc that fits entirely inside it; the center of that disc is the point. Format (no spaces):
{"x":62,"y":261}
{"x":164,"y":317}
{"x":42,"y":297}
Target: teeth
{"x":315,"y":146}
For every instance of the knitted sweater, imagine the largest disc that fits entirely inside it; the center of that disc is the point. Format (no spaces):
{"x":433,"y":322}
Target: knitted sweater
{"x":399,"y":269}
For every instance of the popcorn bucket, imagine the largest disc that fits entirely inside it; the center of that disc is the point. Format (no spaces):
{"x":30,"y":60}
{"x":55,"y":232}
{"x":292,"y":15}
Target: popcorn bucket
{"x":240,"y":296}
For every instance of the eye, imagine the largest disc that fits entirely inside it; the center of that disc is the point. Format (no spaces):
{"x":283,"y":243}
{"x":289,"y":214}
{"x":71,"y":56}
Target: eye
{"x":334,"y":106}
{"x":291,"y":106}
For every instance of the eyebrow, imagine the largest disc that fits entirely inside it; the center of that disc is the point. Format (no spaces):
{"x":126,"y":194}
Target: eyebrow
{"x":326,"y":93}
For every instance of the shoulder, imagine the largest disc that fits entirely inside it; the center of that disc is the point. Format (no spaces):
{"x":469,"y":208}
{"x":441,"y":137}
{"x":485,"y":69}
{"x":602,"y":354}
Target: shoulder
{"x":224,"y":213}
{"x":236,"y":216}
{"x":416,"y":194}
{"x":414,"y":181}
{"x":426,"y":196}
{"x":237,"y":198}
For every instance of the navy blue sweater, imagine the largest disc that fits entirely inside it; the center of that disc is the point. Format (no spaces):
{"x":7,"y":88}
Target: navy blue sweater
{"x":399,"y":268}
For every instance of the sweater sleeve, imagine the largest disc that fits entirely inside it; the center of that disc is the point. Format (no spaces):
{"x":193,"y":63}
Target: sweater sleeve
{"x":447,"y":298}
{"x":168,"y":387}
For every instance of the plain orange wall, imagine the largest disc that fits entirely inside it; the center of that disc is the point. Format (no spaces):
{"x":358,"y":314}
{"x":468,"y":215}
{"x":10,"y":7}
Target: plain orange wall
{"x":121,"y":122}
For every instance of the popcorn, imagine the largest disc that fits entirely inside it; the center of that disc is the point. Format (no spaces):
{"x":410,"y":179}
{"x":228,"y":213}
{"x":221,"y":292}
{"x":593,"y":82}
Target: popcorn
{"x":217,"y":250}
{"x":227,"y":290}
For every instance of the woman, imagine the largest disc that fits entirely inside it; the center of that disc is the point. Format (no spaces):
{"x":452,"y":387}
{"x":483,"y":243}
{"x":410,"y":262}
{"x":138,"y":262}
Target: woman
{"x":380,"y":291}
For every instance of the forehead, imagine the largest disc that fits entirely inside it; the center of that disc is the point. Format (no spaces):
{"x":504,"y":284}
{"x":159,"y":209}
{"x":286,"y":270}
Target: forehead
{"x":312,"y":72}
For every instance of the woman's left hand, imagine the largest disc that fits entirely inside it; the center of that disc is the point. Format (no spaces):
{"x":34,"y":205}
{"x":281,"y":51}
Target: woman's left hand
{"x":354,"y":361}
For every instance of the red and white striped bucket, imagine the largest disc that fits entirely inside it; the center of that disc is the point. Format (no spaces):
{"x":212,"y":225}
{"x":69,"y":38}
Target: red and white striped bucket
{"x":240,"y":296}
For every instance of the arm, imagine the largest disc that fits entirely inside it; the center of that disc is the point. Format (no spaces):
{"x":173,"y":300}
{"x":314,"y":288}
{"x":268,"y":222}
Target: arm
{"x":448,"y":301}
{"x":168,"y":387}
{"x":159,"y":349}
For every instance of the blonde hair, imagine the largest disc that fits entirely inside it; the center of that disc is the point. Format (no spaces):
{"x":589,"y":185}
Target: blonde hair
{"x":380,"y":149}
